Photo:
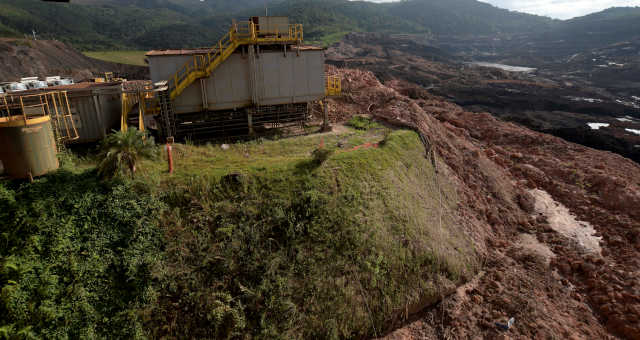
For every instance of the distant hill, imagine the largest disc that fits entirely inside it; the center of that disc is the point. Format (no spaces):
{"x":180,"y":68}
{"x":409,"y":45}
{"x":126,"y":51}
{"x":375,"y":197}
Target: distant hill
{"x":145,"y":24}
{"x":191,"y":7}
{"x":154,"y":24}
{"x":468,"y":17}
{"x":596,"y":30}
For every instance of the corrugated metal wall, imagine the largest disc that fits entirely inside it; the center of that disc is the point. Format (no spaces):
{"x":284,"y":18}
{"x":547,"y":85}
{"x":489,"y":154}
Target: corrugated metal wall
{"x":280,"y":79}
{"x":272,"y":25}
{"x":95,"y":112}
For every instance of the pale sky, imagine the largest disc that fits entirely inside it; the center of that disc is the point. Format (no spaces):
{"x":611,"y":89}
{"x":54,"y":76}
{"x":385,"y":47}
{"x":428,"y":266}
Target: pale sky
{"x":559,"y":9}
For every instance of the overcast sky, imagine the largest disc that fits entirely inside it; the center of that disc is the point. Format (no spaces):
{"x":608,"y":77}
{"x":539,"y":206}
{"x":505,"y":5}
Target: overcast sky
{"x":559,"y":9}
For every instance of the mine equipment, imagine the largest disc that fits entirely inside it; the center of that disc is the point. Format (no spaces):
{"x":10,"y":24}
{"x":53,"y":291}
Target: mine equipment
{"x":59,"y":81}
{"x":258,"y":76}
{"x":34,"y":83}
{"x":32,"y":128}
{"x":14,"y":87}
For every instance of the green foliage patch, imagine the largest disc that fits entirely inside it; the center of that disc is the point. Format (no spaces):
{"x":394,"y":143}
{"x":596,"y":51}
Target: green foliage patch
{"x":76,"y":257}
{"x":282,"y":246}
{"x":336,"y":249}
{"x":362,"y":123}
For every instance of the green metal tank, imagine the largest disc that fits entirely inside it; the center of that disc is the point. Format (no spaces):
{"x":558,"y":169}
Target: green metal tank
{"x":27,"y":146}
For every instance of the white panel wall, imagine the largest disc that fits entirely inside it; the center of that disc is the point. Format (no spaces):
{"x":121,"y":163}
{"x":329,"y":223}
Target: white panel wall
{"x":281,"y":79}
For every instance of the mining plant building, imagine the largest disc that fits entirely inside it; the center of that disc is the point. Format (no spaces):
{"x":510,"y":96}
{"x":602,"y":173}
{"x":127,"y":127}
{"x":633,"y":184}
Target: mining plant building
{"x":260,"y":73}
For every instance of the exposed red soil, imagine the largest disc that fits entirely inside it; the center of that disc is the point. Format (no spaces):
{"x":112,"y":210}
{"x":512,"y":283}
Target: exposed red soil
{"x":494,"y":164}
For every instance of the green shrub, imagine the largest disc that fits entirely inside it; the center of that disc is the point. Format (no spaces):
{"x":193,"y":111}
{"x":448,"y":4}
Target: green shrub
{"x":320,"y":155}
{"x":362,"y":123}
{"x":121,"y":152}
{"x":76,"y":258}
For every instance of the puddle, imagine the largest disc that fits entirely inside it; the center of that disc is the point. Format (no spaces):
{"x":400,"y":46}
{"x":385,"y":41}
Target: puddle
{"x":637,"y":132}
{"x":506,"y":67}
{"x":597,"y":126}
{"x":583,"y":99}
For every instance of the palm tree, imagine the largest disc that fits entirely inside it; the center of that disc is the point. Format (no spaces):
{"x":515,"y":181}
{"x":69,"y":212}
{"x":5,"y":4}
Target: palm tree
{"x":122,"y":150}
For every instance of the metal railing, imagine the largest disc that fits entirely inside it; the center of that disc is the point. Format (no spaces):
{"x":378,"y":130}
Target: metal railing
{"x":333,"y":86}
{"x":54,"y":104}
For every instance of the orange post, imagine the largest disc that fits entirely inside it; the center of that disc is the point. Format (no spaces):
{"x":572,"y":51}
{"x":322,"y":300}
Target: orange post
{"x":169,"y":157}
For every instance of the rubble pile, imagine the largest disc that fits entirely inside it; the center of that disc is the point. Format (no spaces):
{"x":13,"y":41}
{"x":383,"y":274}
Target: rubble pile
{"x":570,"y":293}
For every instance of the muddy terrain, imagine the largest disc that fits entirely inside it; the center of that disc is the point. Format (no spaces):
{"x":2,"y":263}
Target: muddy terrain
{"x":555,"y":223}
{"x":42,"y":58}
{"x":563,"y":100}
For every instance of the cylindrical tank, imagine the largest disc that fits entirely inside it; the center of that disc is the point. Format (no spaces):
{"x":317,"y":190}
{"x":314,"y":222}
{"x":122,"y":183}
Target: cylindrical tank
{"x":27,"y":147}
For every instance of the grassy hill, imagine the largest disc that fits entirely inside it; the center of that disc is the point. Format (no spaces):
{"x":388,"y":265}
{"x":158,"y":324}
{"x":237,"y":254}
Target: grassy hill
{"x":276,"y":245}
{"x":121,"y":57}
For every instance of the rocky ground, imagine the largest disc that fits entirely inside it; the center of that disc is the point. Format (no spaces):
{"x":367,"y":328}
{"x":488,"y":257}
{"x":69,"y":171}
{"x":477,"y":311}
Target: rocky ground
{"x":556,"y":224}
{"x":42,"y":58}
{"x":559,"y":99}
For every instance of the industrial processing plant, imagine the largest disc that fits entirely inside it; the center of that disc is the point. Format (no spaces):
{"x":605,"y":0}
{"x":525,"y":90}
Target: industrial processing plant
{"x":259,"y":76}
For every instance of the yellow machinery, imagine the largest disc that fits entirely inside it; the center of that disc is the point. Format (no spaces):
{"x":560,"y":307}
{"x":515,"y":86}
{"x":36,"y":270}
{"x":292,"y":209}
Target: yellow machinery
{"x":143,"y":97}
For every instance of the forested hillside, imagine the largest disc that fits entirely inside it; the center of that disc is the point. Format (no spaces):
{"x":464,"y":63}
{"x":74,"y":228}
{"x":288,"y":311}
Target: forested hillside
{"x":597,"y":30}
{"x":156,"y":24}
{"x":146,"y":24}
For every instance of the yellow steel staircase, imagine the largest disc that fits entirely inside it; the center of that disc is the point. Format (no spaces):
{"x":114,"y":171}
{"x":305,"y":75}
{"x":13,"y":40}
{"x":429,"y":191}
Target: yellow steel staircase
{"x":245,"y":33}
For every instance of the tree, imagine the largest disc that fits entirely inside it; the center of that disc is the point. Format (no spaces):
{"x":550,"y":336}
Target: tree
{"x":122,"y":150}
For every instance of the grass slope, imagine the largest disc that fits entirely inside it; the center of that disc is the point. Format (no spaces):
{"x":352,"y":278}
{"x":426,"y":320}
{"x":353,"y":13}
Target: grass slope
{"x":260,"y":240}
{"x":122,"y":57}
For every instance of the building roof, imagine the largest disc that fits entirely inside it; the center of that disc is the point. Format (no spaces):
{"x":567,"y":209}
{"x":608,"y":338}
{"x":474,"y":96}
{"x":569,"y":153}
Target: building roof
{"x":196,"y":51}
{"x":178,"y":52}
{"x":80,"y":86}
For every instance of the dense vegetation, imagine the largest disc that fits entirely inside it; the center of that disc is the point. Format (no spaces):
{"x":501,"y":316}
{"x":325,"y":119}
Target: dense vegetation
{"x":597,"y":30}
{"x":281,"y":244}
{"x":148,"y":24}
{"x":76,"y":257}
{"x":101,"y":25}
